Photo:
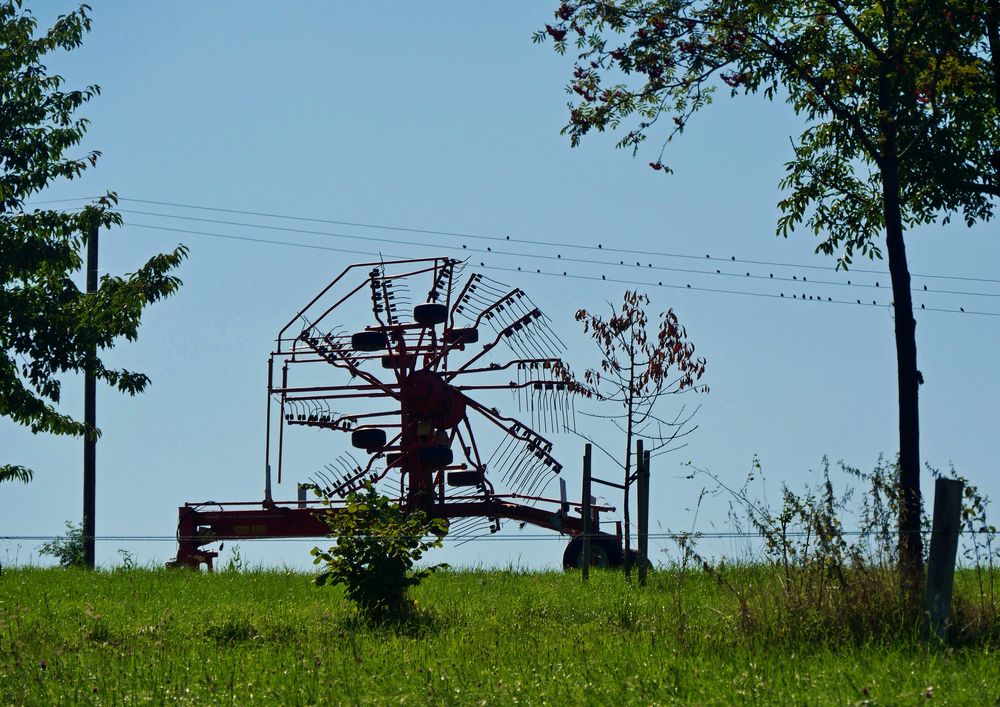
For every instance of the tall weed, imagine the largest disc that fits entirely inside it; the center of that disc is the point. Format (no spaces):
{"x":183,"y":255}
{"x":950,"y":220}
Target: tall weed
{"x":831,"y":558}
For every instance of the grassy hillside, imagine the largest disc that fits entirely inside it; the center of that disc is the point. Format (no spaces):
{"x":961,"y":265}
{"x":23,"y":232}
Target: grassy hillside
{"x":487,"y":638}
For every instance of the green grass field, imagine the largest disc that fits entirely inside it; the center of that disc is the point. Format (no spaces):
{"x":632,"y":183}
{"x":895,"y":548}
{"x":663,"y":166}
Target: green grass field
{"x":488,"y":637}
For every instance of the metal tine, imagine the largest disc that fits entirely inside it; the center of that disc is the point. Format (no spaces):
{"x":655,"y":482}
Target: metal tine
{"x":516,"y":466}
{"x":515,"y":344}
{"x":545,"y":487}
{"x":528,"y":474}
{"x":560,"y":344}
{"x":506,"y":442}
{"x":439,"y":281}
{"x":541,"y":321}
{"x":542,"y":407}
{"x":552,"y":466}
{"x":531,"y":405}
{"x":461,"y":526}
{"x":351,"y":460}
{"x":470,"y":536}
{"x":520,"y":387}
{"x":535,"y":342}
{"x":346,"y":469}
{"x":491,"y":285}
{"x":336,"y":482}
{"x":529,"y":483}
{"x":524,"y":469}
{"x":544,"y":343}
{"x":547,"y":334}
{"x":327,"y":484}
{"x":513,"y":464}
{"x":509,"y":458}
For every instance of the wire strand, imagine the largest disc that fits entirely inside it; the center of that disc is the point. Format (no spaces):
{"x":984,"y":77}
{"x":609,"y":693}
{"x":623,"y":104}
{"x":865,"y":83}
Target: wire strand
{"x":566,"y":274}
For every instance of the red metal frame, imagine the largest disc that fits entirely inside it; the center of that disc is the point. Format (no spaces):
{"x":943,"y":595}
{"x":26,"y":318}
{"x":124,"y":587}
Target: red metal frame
{"x":427,"y":396}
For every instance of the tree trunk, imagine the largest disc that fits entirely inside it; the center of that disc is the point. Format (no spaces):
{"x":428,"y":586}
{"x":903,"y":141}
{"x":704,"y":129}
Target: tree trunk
{"x":910,"y":542}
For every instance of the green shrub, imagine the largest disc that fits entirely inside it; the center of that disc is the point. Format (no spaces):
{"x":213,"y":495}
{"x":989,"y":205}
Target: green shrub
{"x":68,"y":549}
{"x":377,"y":546}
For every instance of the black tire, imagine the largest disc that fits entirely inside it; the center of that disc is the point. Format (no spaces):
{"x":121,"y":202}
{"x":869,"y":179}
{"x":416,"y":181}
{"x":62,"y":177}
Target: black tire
{"x":369,"y":341}
{"x":634,"y":559}
{"x":430,"y":313}
{"x":368,"y":439}
{"x":464,"y":478}
{"x":605,"y":552}
{"x":465,"y":335}
{"x":398,"y":361}
{"x":436,"y":457}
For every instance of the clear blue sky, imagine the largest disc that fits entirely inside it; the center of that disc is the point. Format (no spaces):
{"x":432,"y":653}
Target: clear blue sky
{"x":444,"y":116}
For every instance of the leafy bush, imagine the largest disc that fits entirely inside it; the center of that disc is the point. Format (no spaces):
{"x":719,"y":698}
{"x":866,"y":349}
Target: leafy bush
{"x":836,"y":562}
{"x":68,"y":549}
{"x":377,"y":545}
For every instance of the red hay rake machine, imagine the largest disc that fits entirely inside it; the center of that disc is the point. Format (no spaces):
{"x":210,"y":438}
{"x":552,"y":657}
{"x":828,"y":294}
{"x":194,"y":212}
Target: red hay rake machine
{"x":404,"y":389}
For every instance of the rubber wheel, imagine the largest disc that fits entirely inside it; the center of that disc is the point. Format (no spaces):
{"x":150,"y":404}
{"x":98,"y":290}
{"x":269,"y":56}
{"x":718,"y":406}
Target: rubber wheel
{"x":368,"y":439}
{"x":466,"y":335}
{"x":464,"y":478}
{"x":605,"y":551}
{"x":398,"y":361}
{"x":634,"y":559}
{"x":430,"y":313}
{"x":369,"y":341}
{"x":435,"y":457}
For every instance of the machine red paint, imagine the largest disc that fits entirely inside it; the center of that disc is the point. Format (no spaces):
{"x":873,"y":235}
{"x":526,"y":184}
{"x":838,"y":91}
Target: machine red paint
{"x":404,"y":390}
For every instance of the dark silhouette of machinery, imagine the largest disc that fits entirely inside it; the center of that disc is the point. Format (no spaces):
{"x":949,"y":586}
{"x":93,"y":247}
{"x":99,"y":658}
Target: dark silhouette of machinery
{"x":403,"y":390}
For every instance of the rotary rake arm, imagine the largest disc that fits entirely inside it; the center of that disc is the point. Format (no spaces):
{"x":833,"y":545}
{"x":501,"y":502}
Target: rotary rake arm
{"x":402,"y":388}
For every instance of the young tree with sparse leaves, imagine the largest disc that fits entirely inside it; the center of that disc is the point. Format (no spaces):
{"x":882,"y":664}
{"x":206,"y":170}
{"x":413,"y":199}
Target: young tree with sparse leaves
{"x":48,"y":326}
{"x":638,"y":368}
{"x":901,"y":100}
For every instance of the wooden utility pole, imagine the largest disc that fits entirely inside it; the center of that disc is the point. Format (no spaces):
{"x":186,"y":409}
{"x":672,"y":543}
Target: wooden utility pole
{"x":90,"y":419}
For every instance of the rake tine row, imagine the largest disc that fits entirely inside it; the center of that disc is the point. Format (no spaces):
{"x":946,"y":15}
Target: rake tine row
{"x":442,"y":281}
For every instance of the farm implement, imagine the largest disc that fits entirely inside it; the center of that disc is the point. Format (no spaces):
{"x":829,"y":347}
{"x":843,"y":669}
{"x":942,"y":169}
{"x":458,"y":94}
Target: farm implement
{"x":406,"y":391}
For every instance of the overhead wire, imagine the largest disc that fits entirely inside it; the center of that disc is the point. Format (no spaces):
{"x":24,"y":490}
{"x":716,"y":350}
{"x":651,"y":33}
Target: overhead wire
{"x":557,"y":257}
{"x":508,"y":239}
{"x":565,"y":274}
{"x":494,"y":537}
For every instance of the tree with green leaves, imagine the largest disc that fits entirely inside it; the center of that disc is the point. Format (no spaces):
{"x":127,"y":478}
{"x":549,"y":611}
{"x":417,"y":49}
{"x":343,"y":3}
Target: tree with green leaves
{"x":901,"y":103}
{"x":638,"y":367}
{"x":48,"y":326}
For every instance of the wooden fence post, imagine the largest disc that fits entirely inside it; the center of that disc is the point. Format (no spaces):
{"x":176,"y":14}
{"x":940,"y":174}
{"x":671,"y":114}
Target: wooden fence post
{"x":586,"y":512}
{"x":643,"y":499}
{"x":941,"y":563}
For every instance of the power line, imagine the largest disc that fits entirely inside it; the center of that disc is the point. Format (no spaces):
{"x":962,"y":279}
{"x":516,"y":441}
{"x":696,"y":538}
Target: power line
{"x":508,"y":239}
{"x":493,"y":537}
{"x":566,"y":274}
{"x":557,"y":257}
